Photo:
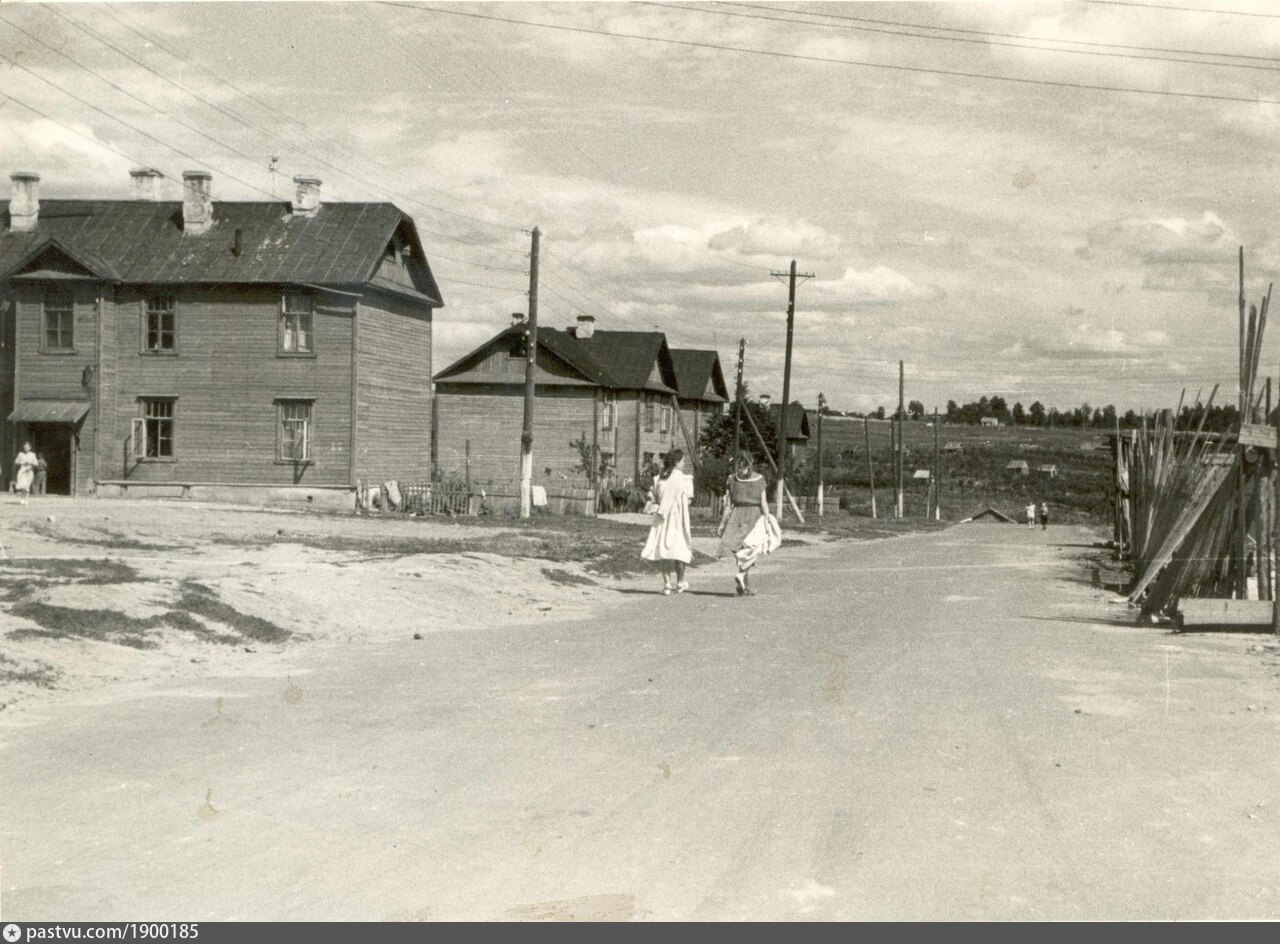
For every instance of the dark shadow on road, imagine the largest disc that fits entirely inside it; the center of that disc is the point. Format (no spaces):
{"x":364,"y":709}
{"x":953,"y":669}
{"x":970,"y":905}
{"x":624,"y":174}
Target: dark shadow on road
{"x":658,"y":593}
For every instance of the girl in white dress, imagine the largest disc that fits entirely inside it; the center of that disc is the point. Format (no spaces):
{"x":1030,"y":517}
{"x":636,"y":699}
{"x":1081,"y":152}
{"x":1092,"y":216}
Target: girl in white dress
{"x":25,"y":465}
{"x":670,"y":542}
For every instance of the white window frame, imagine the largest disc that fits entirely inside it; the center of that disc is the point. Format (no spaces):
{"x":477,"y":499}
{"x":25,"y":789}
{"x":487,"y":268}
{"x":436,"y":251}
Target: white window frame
{"x":63,"y":302}
{"x":296,"y":310}
{"x":286,"y":444}
{"x":151,"y":308}
{"x":143,"y":445}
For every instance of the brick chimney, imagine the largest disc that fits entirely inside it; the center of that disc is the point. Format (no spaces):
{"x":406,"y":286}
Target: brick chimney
{"x":24,"y":201}
{"x":306,"y":199}
{"x":586,"y":327}
{"x":197,"y":202}
{"x":765,"y":400}
{"x":146,"y":183}
{"x":517,"y":318}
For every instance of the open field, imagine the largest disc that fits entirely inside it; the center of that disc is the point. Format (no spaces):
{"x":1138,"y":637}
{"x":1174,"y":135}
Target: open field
{"x":975,"y":476}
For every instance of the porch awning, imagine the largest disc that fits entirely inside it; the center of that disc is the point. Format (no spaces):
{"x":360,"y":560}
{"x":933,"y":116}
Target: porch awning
{"x":49,"y":411}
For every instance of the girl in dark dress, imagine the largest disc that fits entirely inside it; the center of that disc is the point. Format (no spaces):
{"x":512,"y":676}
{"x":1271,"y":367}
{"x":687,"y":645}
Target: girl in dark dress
{"x":745,"y":502}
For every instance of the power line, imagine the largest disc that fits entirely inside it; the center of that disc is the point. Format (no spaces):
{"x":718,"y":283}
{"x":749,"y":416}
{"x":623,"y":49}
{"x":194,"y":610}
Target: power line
{"x":976,"y":32}
{"x":799,"y":57}
{"x":134,"y":128}
{"x":315,"y":136}
{"x":949,"y":39}
{"x":1162,"y":6}
{"x":124,"y":91}
{"x":240,"y":119}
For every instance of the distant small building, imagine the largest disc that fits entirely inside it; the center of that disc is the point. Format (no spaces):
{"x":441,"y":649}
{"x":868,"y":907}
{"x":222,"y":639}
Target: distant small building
{"x":990,"y":421}
{"x":1051,"y":471}
{"x":797,"y":427}
{"x":1019,"y":466}
{"x":989,"y":515}
{"x":953,"y":446}
{"x":921,"y":475}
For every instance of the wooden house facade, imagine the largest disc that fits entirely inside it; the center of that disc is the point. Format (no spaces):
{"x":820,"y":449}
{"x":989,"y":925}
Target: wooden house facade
{"x":611,"y":394}
{"x":701,"y":392}
{"x":797,"y":433}
{"x":214,"y":349}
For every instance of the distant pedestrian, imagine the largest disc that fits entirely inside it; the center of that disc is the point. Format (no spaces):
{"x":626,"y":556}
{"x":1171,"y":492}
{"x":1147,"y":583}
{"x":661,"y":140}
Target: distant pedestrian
{"x":746,"y":502}
{"x":1031,"y":516}
{"x":670,"y":542}
{"x":42,"y":475}
{"x":25,"y":472}
{"x":1044,"y":516}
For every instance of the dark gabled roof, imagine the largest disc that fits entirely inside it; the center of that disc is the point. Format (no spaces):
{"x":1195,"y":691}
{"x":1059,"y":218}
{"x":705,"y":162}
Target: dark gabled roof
{"x":564,"y":347}
{"x":797,"y":419}
{"x":989,"y":513}
{"x":695,"y":370}
{"x":620,"y":360}
{"x":137,"y":241}
{"x":629,"y":357}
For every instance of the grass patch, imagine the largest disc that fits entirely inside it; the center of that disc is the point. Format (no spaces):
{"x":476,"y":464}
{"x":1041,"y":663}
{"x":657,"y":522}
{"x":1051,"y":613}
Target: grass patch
{"x":199,"y":600}
{"x":39,"y":674}
{"x":109,"y":539}
{"x":67,"y":622}
{"x":567,"y":578}
{"x":73,"y":570}
{"x":197,"y":608}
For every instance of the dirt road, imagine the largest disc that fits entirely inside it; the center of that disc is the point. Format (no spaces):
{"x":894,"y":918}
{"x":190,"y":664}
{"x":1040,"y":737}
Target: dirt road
{"x":937,"y":726}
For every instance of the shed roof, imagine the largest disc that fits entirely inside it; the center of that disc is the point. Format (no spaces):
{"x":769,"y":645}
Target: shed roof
{"x":1017,"y":464}
{"x":138,"y":241}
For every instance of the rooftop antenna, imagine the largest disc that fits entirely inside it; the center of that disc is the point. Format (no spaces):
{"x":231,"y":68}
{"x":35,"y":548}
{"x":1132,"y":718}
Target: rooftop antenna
{"x":275,"y":159}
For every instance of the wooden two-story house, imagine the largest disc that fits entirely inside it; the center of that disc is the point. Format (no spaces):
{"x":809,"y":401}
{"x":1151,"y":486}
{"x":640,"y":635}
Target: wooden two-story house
{"x":214,"y":349}
{"x":613,"y":393}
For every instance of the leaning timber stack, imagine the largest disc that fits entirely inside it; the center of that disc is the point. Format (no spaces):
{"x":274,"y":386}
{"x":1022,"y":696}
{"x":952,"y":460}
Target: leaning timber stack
{"x":1199,"y":513}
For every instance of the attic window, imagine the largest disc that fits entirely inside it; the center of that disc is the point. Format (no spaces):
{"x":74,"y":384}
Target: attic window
{"x":391,"y":251}
{"x":519,"y":346}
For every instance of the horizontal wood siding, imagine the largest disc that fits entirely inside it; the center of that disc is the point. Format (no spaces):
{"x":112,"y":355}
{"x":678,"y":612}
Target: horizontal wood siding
{"x":655,"y":441}
{"x":393,"y":432}
{"x":8,"y":448}
{"x":60,"y":376}
{"x":226,"y":377}
{"x":492,"y":416}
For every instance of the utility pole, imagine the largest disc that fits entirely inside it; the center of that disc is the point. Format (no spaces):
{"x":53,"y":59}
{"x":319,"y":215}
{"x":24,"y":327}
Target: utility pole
{"x":737,"y":403}
{"x":786,"y":383}
{"x":871,"y":471}
{"x":937,"y":471}
{"x":531,"y":355}
{"x":901,"y":429}
{"x":822,"y":405}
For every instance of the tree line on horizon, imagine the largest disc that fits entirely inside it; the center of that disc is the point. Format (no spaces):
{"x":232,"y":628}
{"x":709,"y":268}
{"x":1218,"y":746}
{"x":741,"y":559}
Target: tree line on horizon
{"x":1217,"y":418}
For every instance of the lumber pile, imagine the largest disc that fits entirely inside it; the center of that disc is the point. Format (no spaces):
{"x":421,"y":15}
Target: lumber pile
{"x":1194,"y":510}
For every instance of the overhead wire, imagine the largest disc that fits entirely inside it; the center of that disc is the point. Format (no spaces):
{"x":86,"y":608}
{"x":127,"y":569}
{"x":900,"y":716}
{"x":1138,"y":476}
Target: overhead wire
{"x":270,"y":136}
{"x":830,"y":60}
{"x":976,"y":32}
{"x":952,"y":39}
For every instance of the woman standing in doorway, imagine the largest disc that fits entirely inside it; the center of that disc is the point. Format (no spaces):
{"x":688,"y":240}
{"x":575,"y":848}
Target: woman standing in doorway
{"x":745,"y":503}
{"x":670,"y":542}
{"x":25,"y":467}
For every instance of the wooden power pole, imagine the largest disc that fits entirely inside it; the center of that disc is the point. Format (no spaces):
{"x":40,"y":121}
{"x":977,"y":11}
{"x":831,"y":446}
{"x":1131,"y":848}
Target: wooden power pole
{"x":822,"y":405}
{"x":786,"y":382}
{"x":936,"y":478}
{"x":901,"y":459}
{"x":531,"y":354}
{"x":737,"y":403}
{"x":871,"y":471}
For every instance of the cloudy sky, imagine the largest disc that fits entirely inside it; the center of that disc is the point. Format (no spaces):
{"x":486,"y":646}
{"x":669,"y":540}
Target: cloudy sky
{"x":1032,"y":238}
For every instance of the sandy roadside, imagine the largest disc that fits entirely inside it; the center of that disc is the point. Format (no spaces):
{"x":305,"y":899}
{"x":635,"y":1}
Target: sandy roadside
{"x":104,"y":600}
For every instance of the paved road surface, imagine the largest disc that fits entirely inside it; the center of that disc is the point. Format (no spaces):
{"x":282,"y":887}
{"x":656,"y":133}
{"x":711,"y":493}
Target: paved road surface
{"x":929,"y":727}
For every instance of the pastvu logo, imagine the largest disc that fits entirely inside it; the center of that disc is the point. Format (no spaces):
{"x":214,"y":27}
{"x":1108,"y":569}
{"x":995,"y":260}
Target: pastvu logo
{"x":12,"y":933}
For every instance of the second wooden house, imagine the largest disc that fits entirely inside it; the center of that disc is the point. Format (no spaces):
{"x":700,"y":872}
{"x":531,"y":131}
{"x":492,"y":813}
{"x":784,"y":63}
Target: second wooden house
{"x":608,"y":394}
